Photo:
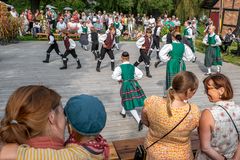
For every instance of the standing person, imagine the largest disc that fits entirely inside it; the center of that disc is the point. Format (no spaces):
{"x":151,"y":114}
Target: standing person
{"x":131,"y":92}
{"x":70,"y":46}
{"x":84,"y":31}
{"x":93,"y":38}
{"x":156,"y":42}
{"x":175,"y":54}
{"x":171,"y":120}
{"x":188,"y":34}
{"x":219,"y":125}
{"x":117,"y":26}
{"x":53,"y":45}
{"x":107,"y":41}
{"x":144,"y":44}
{"x":212,"y":54}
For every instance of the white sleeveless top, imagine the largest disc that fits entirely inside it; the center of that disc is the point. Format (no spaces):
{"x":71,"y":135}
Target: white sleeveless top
{"x":224,"y":136}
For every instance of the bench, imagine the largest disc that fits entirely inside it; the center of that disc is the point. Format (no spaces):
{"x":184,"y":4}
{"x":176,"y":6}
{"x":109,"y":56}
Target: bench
{"x":42,"y":36}
{"x":74,"y":36}
{"x":126,"y":148}
{"x":113,"y":153}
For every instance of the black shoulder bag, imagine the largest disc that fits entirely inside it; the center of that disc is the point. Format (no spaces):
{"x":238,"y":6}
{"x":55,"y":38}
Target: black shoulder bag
{"x":141,"y":152}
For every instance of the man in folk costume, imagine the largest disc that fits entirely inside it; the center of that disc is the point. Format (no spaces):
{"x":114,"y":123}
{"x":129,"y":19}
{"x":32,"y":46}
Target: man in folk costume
{"x":212,"y":55}
{"x":93,"y":38}
{"x":131,"y":92}
{"x":156,"y":42}
{"x":188,"y":37}
{"x":118,"y":26}
{"x":175,"y":54}
{"x":53,"y":45}
{"x":84,"y":31}
{"x":144,"y":44}
{"x":107,"y":41}
{"x":70,"y":46}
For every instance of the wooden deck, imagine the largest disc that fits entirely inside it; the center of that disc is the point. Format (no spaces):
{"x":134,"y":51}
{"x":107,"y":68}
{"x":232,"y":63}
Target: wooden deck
{"x":21,"y":64}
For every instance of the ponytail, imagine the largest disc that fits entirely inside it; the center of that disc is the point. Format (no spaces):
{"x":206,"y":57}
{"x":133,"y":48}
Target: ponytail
{"x":13,"y":132}
{"x":170,"y":99}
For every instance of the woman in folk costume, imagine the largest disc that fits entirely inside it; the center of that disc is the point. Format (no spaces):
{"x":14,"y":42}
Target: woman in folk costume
{"x":131,"y":92}
{"x":175,"y":54}
{"x":188,"y":37}
{"x":118,"y":26}
{"x":212,"y":55}
{"x":84,"y":31}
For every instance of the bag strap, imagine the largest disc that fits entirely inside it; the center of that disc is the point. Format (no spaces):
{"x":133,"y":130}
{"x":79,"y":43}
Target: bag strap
{"x":172,"y":128}
{"x":231,"y":120}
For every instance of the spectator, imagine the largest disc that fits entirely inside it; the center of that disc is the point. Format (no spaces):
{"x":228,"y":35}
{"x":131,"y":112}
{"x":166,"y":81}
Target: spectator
{"x":30,"y":20}
{"x":61,"y":26}
{"x":227,"y":40}
{"x":14,"y":13}
{"x":36,"y":28}
{"x":171,"y":121}
{"x":98,"y":26}
{"x":219,"y":125}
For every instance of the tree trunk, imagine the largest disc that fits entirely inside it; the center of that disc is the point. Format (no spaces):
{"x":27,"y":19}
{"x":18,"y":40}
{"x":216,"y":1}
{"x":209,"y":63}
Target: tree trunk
{"x":35,"y":4}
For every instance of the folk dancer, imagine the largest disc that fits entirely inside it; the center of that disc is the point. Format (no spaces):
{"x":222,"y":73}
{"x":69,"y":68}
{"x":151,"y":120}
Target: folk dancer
{"x":175,"y":54}
{"x":53,"y":45}
{"x":70,"y":46}
{"x":144,"y":44}
{"x":156,"y":42}
{"x":131,"y":92}
{"x":118,"y":26}
{"x":188,"y":38}
{"x":93,"y":38}
{"x":84,"y":31}
{"x":212,"y":54}
{"x":108,"y":41}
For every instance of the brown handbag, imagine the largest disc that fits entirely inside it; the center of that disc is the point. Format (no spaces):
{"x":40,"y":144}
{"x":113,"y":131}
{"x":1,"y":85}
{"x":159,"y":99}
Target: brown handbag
{"x":141,"y":152}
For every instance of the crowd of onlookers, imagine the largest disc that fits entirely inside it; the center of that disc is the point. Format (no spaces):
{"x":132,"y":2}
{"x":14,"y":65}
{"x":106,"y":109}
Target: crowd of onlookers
{"x":130,"y":25}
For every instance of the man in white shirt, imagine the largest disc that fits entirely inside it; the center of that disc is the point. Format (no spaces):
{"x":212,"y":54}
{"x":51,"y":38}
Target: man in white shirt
{"x":61,"y":25}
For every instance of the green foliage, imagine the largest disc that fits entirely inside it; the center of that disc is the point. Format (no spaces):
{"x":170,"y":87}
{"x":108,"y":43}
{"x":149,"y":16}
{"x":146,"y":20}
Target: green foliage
{"x":74,"y":4}
{"x":187,"y":9}
{"x":20,"y":5}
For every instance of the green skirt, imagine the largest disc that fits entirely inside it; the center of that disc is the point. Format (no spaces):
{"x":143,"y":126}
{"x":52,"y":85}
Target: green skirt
{"x":212,"y":56}
{"x":174,"y":66}
{"x":132,"y":95}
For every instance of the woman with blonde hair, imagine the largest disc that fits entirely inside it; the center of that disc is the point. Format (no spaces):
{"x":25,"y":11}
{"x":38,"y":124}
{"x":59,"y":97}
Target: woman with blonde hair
{"x":171,"y":120}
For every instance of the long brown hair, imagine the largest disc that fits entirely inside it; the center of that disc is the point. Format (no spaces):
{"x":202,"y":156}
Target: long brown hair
{"x":26,"y":113}
{"x":181,"y":83}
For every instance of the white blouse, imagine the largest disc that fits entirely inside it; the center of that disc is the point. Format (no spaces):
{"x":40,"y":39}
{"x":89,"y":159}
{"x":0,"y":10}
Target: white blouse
{"x":163,"y":54}
{"x":118,"y":72}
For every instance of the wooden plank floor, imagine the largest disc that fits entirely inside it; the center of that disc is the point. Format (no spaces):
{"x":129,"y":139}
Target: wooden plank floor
{"x":21,"y":64}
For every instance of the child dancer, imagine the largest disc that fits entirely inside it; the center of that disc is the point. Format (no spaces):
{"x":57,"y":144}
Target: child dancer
{"x":84,"y":31}
{"x":212,"y":55}
{"x":70,"y":49}
{"x":53,"y":45}
{"x":131,"y":92}
{"x":144,"y":44}
{"x":188,"y":34}
{"x":93,"y":38}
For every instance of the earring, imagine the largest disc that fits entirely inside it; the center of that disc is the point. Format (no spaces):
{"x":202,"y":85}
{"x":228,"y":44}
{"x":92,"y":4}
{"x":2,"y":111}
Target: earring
{"x":220,"y":96}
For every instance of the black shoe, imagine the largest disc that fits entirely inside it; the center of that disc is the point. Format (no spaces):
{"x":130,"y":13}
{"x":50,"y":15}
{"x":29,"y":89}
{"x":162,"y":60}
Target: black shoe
{"x":123,"y":115}
{"x":149,"y":75}
{"x":156,"y":64}
{"x":64,"y":67}
{"x":98,"y":69}
{"x":194,"y":60}
{"x":79,"y":66}
{"x":45,"y":61}
{"x":140,"y":125}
